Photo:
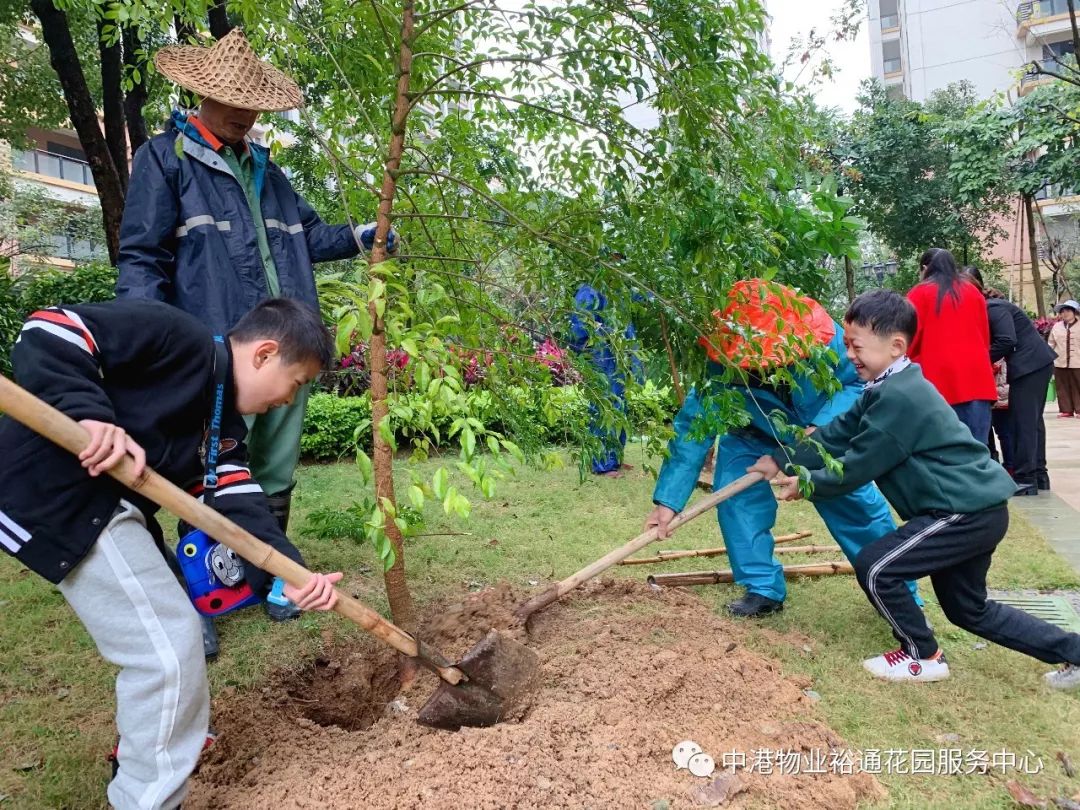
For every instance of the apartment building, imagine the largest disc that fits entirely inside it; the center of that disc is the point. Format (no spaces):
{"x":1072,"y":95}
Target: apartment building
{"x":920,"y":46}
{"x":56,"y":164}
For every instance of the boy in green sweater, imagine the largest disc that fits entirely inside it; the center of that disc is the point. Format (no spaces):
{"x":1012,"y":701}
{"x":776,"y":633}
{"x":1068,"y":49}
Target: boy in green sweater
{"x":903,"y":435}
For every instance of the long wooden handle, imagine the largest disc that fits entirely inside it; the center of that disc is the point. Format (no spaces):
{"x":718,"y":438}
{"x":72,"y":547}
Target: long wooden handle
{"x":560,"y":589}
{"x":24,"y":407}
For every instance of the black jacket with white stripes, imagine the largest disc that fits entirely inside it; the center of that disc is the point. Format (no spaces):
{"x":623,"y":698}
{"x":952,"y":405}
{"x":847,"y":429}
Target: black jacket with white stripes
{"x":147,"y":367}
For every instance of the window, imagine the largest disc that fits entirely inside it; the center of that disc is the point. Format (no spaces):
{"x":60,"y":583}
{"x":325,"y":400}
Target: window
{"x":890,"y":14}
{"x":895,"y":92}
{"x":1050,"y":8}
{"x":70,"y":246}
{"x":1058,"y":49}
{"x":890,"y":56}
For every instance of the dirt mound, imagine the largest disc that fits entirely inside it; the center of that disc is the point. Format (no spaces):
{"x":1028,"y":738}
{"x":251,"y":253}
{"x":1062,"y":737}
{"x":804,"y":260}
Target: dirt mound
{"x":627,"y":674}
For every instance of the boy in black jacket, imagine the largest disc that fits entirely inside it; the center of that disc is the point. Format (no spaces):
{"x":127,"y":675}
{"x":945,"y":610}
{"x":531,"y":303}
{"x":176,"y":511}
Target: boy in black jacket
{"x":904,"y":436}
{"x":143,"y":379}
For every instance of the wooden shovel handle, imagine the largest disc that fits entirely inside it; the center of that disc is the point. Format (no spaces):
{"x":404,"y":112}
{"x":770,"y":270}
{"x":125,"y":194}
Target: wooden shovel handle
{"x":560,"y":589}
{"x":24,"y":407}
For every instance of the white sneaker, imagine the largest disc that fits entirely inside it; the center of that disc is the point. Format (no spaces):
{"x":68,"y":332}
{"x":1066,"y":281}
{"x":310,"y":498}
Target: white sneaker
{"x":1068,"y":677}
{"x":897,"y":665}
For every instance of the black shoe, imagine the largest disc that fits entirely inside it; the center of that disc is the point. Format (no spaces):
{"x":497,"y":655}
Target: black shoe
{"x":1042,"y":481}
{"x":753,"y":605}
{"x":1025,"y":489}
{"x":281,"y":613}
{"x":209,"y":638}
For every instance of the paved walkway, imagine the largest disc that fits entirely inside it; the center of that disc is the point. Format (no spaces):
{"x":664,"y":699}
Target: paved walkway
{"x":1057,"y":513}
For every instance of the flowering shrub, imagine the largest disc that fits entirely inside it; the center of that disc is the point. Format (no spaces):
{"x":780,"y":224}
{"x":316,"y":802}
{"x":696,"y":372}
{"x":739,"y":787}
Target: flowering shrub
{"x":562,"y":371}
{"x":351,"y":378}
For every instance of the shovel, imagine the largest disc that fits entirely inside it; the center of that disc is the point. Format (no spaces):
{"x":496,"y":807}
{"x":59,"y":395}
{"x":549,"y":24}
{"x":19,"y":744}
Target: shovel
{"x":559,"y":589}
{"x":492,"y":681}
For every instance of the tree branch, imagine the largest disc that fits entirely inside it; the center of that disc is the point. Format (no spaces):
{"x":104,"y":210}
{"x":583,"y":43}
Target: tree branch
{"x":1038,"y":69}
{"x":417,"y":256}
{"x":541,"y":108}
{"x":631,"y":281}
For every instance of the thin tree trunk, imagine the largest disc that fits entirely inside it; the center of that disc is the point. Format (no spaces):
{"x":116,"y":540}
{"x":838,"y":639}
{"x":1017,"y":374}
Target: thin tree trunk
{"x":185,"y":34}
{"x":185,"y":31}
{"x":65,"y":61}
{"x":136,"y":96}
{"x":1020,"y":262}
{"x":1075,"y":29}
{"x":218,"y":19}
{"x":112,"y":103}
{"x":849,"y":277}
{"x":1033,"y":252}
{"x":675,"y":381}
{"x":397,"y":589}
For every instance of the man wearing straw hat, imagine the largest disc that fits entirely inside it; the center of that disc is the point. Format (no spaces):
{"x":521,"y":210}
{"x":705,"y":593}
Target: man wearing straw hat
{"x":213,"y":226}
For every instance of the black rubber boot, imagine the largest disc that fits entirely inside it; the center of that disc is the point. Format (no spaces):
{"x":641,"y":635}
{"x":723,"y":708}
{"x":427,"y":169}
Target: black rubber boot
{"x":280,"y":503}
{"x":754,"y":605}
{"x":209,"y":638}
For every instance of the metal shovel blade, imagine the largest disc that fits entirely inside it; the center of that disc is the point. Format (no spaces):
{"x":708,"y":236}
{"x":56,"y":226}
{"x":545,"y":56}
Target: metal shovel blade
{"x":503,"y":675}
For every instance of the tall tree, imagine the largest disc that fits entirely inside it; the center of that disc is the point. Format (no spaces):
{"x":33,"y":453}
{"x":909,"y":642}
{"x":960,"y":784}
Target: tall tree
{"x":112,"y":99}
{"x":899,"y":153}
{"x":218,"y":17}
{"x":511,"y":144}
{"x":136,"y":96}
{"x":1021,"y":149}
{"x":65,"y":61}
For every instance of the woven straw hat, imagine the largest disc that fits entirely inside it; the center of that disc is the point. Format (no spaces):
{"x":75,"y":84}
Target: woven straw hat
{"x":230,"y":72}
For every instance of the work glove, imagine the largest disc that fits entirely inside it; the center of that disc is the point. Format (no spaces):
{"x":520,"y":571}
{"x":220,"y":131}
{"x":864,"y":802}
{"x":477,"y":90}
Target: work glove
{"x":365,"y":235}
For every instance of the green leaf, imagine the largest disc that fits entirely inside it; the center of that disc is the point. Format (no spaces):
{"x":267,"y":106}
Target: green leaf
{"x":416,"y":496}
{"x":513,"y":450}
{"x":387,"y":506}
{"x":363,"y":323}
{"x":363,"y":463}
{"x":438,"y":483}
{"x":376,"y":290}
{"x":345,"y":328}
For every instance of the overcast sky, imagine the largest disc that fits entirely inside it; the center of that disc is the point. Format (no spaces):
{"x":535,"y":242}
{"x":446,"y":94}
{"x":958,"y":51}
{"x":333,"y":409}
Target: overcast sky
{"x":795,"y":18}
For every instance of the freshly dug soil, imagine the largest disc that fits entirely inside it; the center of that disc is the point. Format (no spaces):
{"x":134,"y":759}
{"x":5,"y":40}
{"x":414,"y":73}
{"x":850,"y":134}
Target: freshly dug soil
{"x":627,"y":674}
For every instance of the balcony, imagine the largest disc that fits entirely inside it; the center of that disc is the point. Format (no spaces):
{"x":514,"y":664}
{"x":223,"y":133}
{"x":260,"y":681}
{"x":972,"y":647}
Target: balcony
{"x":1056,"y":200}
{"x":1030,"y":80}
{"x":1039,"y":18}
{"x":65,"y":246}
{"x":48,"y":164}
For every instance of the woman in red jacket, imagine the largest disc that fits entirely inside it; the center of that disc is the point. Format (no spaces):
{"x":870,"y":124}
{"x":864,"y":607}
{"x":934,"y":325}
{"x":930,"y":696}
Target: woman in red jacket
{"x":952,"y":343}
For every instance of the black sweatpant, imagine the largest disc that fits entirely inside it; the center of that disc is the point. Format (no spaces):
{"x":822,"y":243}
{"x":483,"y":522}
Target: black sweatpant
{"x":954,"y":551}
{"x":1027,"y":398}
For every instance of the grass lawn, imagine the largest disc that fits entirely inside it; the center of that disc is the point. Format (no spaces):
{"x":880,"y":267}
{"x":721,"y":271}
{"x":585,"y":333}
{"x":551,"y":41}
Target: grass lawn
{"x":56,"y":699}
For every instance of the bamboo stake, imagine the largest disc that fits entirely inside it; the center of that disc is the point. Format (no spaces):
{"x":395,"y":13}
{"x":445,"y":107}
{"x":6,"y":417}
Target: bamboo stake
{"x":558,"y":590}
{"x":667,"y":556}
{"x":709,"y":552}
{"x":716,"y":577}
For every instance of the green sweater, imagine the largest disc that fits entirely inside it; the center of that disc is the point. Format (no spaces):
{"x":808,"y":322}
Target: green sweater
{"x":906,"y":437}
